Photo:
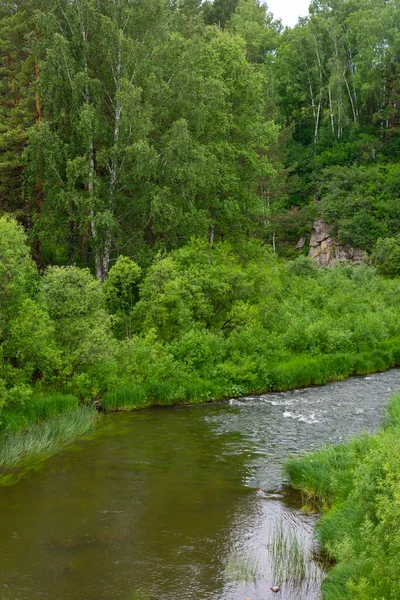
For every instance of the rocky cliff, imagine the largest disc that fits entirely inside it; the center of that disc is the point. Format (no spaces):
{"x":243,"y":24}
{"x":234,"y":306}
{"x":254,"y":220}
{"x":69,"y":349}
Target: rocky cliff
{"x":327,"y":251}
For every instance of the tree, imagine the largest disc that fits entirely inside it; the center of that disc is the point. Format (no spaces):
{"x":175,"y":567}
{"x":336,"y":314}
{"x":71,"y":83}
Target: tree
{"x":386,"y":256}
{"x":31,"y":344}
{"x":153,"y":130}
{"x":17,"y":272}
{"x":122,"y":291}
{"x":204,"y":287}
{"x":20,"y":109}
{"x":75,"y":302}
{"x":252,"y":21}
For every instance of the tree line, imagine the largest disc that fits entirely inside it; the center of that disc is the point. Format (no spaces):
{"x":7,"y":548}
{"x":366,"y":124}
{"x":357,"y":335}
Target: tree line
{"x":127,"y":127}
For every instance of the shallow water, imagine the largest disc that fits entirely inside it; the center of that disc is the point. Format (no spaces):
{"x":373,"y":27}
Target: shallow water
{"x":177,"y":503}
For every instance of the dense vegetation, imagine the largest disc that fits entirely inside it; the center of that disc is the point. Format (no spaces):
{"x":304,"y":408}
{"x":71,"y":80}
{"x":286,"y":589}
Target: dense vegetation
{"x":159,"y":161}
{"x":127,"y":128}
{"x":357,"y":486}
{"x":205,"y":321}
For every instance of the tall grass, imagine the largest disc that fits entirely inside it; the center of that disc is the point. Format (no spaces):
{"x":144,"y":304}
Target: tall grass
{"x":326,"y":476}
{"x":125,"y":397}
{"x":40,"y":407}
{"x":243,"y":569}
{"x":169,"y":392}
{"x":297,"y":371}
{"x":357,"y":485}
{"x":44,"y":439}
{"x":293,"y":562}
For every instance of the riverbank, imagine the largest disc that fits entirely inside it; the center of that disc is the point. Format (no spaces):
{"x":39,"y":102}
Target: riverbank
{"x":297,"y":372}
{"x":204,"y":323}
{"x":357,"y":487}
{"x":52,"y":420}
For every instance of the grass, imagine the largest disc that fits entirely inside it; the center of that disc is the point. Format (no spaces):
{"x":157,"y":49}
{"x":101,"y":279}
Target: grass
{"x":38,"y":408}
{"x":242,"y":569}
{"x":357,"y":486}
{"x":296,"y":372}
{"x":126,"y":397}
{"x":44,"y":439}
{"x":325,"y":477}
{"x":193,"y":390}
{"x":293,"y":563}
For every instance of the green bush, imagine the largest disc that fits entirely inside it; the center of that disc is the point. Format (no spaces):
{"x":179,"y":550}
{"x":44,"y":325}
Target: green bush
{"x":357,"y":486}
{"x":386,"y":256}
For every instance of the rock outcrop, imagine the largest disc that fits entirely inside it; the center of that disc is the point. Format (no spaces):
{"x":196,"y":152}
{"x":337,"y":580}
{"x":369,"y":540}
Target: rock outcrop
{"x":327,"y":251}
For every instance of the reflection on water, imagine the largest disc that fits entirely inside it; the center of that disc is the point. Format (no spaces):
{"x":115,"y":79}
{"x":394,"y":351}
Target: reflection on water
{"x":177,"y":503}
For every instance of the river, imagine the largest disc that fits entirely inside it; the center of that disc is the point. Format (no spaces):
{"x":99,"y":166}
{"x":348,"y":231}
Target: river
{"x":178,"y":503}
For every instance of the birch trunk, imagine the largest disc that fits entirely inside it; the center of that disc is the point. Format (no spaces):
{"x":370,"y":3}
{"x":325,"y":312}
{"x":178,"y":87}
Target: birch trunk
{"x":351,"y":100}
{"x":91,"y":175}
{"x":331,"y":111}
{"x":212,"y":232}
{"x":316,"y":131}
{"x":105,"y":260}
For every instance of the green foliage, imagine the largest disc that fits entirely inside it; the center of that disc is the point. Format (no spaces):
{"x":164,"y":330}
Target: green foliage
{"x":17,"y":272}
{"x":131,"y":150}
{"x":205,"y":286}
{"x":361,"y":203}
{"x":76,"y":304}
{"x":19,"y":104}
{"x":386,"y":256}
{"x":357,"y":485}
{"x":137,"y":150}
{"x":256,"y":26}
{"x":33,"y":349}
{"x":121,"y":290}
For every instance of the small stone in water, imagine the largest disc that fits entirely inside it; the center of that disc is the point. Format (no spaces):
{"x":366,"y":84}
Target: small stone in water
{"x":275,"y":589}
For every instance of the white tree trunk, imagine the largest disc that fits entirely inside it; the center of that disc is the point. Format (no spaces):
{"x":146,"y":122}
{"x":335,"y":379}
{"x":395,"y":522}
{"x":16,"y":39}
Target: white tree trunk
{"x":316,"y":131}
{"x":331,"y":111}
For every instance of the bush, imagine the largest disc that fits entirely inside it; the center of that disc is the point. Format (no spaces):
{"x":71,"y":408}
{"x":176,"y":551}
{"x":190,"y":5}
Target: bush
{"x":386,"y":256}
{"x":357,"y":486}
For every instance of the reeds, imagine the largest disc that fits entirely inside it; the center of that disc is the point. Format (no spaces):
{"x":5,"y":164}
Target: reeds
{"x":242,"y":569}
{"x":45,"y":438}
{"x":131,"y":396}
{"x":292,"y":560}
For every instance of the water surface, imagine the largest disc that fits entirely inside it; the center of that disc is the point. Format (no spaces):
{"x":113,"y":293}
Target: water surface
{"x":177,"y":503}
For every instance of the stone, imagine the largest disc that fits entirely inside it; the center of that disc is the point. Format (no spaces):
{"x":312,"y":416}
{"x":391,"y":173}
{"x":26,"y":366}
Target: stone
{"x":276,"y":589}
{"x":319,"y":233}
{"x":301,"y":243}
{"x":327,"y":251}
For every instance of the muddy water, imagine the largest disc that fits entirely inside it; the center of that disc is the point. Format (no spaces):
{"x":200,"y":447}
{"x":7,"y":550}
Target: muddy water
{"x":178,"y":504}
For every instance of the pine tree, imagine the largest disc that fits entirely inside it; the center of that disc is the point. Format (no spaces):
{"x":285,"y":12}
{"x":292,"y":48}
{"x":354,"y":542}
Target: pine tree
{"x":20,"y":106}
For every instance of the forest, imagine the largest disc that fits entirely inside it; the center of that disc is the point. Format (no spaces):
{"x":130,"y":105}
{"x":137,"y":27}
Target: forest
{"x":162,"y":166}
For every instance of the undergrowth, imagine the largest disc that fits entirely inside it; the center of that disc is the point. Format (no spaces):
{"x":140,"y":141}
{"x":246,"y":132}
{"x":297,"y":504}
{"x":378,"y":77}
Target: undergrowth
{"x":357,"y":486}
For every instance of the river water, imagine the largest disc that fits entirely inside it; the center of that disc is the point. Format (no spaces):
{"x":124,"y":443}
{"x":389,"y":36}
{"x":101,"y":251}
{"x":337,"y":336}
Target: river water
{"x":178,"y":503}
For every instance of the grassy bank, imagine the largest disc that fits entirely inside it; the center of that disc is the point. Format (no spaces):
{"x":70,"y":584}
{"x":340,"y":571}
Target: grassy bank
{"x":298,"y":371}
{"x":205,"y":322}
{"x":36,"y":430}
{"x":42,"y":423}
{"x":357,"y":487}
